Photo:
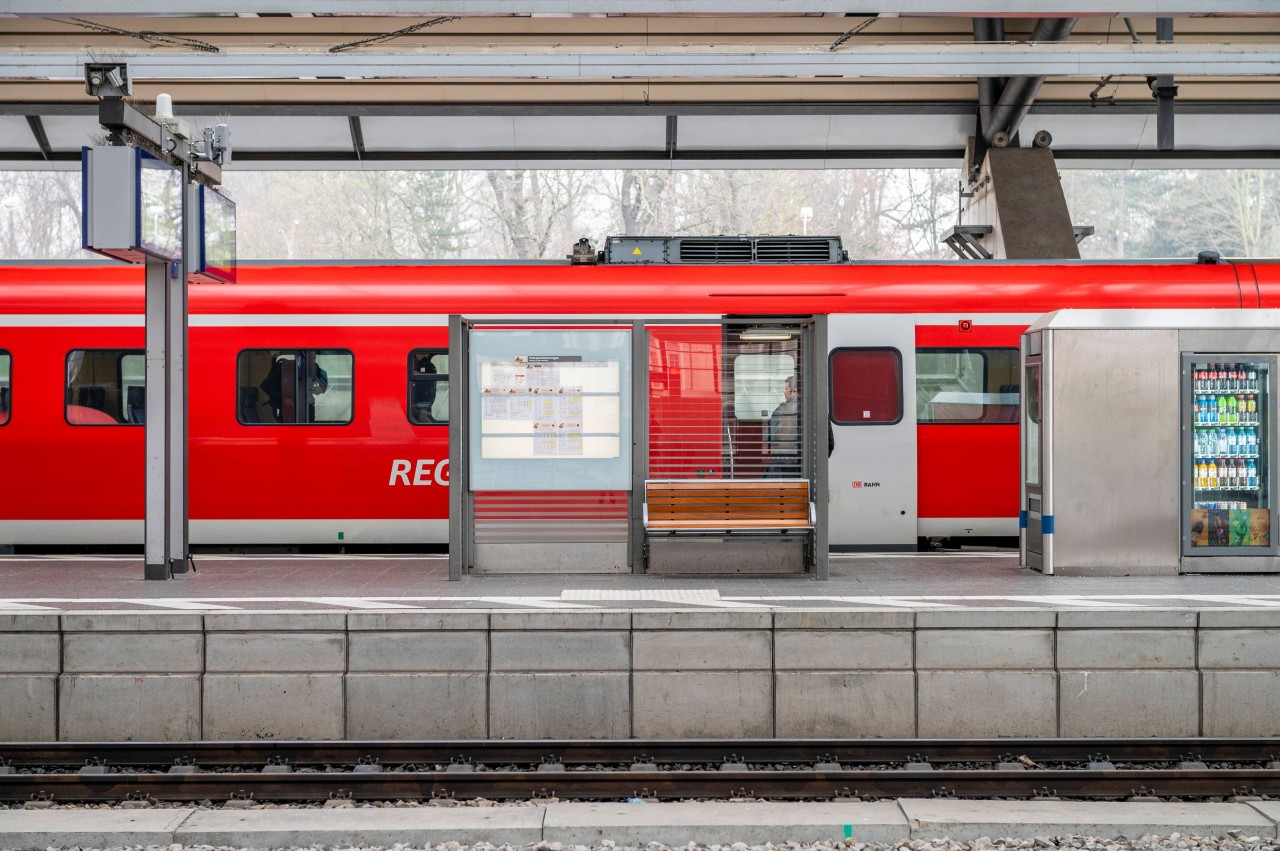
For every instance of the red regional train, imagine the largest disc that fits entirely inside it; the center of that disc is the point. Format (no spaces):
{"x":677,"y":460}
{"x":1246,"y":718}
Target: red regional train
{"x":318,"y":394}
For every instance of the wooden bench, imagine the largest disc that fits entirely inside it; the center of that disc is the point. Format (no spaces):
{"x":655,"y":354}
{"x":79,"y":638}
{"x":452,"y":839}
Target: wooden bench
{"x":714,"y":506}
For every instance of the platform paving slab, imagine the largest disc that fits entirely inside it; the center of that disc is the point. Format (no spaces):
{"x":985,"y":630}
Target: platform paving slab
{"x":723,"y":822}
{"x":965,"y":820}
{"x":361,"y":826}
{"x":36,"y":830}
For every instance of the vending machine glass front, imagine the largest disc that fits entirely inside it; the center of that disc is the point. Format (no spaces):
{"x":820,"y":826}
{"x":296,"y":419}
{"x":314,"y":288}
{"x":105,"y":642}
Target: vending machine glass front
{"x":1226,"y":409}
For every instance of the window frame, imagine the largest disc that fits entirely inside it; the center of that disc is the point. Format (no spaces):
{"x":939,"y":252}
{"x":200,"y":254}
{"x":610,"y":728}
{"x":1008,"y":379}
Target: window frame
{"x":983,"y":352}
{"x":66,"y":403}
{"x":296,"y":350}
{"x":831,"y":386}
{"x":411,"y":377}
{"x":8,"y":408}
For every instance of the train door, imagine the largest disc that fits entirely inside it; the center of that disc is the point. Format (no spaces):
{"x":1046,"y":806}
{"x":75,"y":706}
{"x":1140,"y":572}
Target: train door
{"x":872,"y":467}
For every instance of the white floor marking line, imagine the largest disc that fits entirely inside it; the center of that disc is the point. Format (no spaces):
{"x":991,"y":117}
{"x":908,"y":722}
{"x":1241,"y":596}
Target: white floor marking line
{"x":1073,"y":600}
{"x":184,"y":605}
{"x":13,"y":606}
{"x":688,"y":596}
{"x":532,"y":602}
{"x":356,"y":603}
{"x":900,"y":602}
{"x":1263,"y":600}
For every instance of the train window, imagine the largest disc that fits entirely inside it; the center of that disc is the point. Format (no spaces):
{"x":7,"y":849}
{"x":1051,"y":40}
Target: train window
{"x":757,"y":384}
{"x":428,"y":387}
{"x":973,"y":386}
{"x":295,"y":386}
{"x":866,"y":386}
{"x":6,"y":362}
{"x":106,"y":387}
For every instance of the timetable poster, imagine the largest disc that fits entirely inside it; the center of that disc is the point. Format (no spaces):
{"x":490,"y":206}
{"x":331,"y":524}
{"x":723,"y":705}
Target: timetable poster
{"x":534,"y":405}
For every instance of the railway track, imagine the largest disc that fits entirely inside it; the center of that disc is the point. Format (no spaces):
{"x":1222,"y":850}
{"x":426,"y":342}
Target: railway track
{"x":775,"y":769}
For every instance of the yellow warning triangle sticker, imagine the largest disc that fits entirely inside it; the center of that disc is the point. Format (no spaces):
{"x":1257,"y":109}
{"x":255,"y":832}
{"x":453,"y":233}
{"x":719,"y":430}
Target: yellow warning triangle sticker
{"x":637,"y":250}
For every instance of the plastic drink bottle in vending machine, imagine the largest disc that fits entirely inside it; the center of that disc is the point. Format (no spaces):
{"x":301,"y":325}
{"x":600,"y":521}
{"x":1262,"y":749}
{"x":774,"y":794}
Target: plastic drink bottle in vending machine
{"x":1251,"y":449}
{"x":1213,"y":474}
{"x":1231,"y":441}
{"x":1252,"y":475}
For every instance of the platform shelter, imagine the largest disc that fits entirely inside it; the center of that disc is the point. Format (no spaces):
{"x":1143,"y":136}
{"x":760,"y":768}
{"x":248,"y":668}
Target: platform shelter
{"x":686,"y":445}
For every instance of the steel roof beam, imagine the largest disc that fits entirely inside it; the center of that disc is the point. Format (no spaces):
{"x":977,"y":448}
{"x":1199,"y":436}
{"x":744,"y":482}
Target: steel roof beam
{"x":981,"y":8}
{"x":963,"y":60}
{"x":42,"y":138}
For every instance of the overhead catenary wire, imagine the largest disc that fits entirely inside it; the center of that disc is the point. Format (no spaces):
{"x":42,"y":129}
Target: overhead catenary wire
{"x":394,"y":34}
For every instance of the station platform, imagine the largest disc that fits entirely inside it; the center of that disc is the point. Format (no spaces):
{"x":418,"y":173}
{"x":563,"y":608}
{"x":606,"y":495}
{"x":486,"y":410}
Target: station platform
{"x":949,"y":580}
{"x":928,"y":646}
{"x":923,"y":822}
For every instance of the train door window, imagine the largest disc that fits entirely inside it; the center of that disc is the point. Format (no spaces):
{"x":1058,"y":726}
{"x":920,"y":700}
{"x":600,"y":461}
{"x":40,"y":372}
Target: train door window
{"x":105,"y":387}
{"x":428,"y":387}
{"x":967,"y":386}
{"x":758,"y":381}
{"x":866,"y":386}
{"x":6,"y":362}
{"x":295,"y":386}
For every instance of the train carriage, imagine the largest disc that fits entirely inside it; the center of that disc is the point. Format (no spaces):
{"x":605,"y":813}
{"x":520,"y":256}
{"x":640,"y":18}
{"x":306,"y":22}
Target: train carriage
{"x":318,"y":394}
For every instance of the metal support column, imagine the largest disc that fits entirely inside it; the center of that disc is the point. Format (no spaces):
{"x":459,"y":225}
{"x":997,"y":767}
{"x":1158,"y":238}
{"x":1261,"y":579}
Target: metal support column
{"x":639,"y":443}
{"x":156,"y":527}
{"x":177,"y":322}
{"x":1164,"y":91}
{"x":818,"y":401}
{"x":461,"y":510}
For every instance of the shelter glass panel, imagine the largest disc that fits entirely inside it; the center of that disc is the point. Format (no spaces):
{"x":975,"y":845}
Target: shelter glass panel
{"x":550,"y":409}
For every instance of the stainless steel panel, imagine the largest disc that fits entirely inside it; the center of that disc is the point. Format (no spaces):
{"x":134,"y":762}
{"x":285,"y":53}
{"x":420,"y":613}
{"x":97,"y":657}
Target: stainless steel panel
{"x":1230,"y":564}
{"x":1254,"y":340}
{"x":1114,"y":450}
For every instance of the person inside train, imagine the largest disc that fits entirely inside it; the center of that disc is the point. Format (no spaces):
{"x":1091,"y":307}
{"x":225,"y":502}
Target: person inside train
{"x":782,"y":434}
{"x":281,"y":384}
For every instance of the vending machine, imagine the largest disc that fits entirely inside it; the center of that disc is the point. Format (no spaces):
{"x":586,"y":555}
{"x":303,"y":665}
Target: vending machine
{"x":1228,"y":467}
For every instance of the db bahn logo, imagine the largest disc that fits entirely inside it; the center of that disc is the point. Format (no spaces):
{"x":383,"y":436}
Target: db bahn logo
{"x":858,"y":484}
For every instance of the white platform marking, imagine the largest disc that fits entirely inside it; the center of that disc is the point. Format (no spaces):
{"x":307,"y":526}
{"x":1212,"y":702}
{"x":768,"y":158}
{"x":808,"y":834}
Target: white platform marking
{"x":532,"y":602}
{"x":357,"y":603}
{"x":901,"y":602}
{"x":184,"y":605}
{"x":14,"y":606}
{"x":687,"y":596}
{"x":1072,"y":600}
{"x":1251,"y":600}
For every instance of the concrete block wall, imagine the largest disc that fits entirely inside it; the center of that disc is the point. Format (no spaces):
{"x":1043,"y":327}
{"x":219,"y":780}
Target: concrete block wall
{"x":639,"y":673}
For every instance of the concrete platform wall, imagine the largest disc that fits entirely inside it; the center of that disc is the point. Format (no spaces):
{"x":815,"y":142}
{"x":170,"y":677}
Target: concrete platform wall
{"x":643,"y":674}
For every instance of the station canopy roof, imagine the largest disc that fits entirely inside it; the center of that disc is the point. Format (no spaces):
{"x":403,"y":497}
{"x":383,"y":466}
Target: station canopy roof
{"x":666,"y":83}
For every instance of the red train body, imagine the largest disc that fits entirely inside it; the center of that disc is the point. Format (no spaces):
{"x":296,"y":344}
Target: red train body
{"x":381,"y":479}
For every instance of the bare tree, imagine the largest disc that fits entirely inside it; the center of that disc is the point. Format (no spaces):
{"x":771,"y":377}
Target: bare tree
{"x":529,"y":209}
{"x":40,"y":215}
{"x":641,"y":200}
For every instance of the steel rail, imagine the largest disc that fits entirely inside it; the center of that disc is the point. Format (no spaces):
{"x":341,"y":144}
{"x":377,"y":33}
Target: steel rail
{"x":792,"y":784}
{"x":589,"y":752}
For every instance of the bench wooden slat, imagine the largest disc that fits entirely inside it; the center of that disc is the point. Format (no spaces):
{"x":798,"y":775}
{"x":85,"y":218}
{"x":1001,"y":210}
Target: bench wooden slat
{"x":726,"y":505}
{"x":724,"y":524}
